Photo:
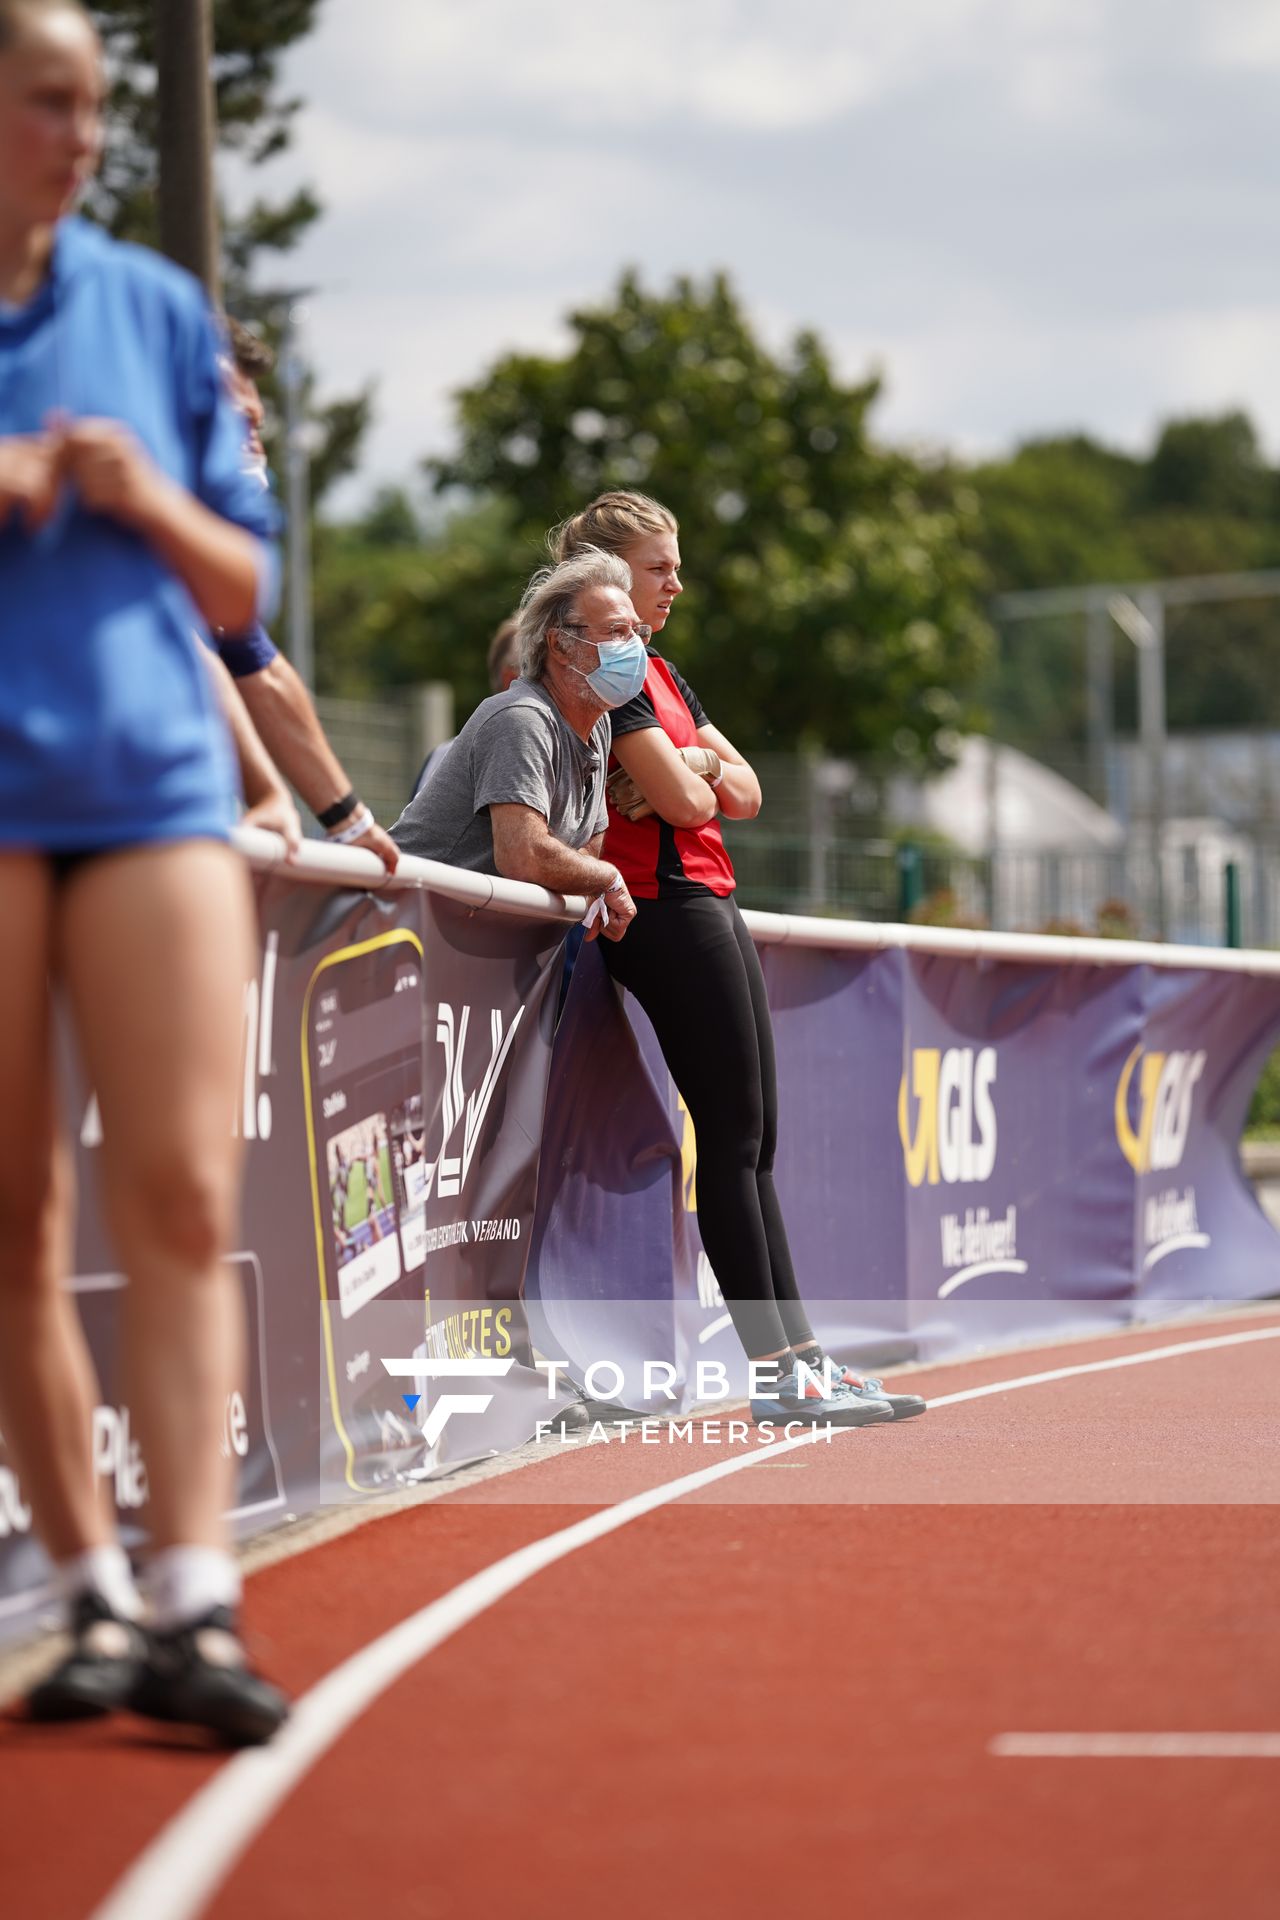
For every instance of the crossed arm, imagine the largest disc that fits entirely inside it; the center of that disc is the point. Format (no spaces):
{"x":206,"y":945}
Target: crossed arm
{"x":678,"y":795}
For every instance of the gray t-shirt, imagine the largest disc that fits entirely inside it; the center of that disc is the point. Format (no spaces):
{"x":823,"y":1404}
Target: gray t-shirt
{"x":516,"y":748}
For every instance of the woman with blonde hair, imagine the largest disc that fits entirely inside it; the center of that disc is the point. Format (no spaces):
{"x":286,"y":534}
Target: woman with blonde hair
{"x":126,"y":518}
{"x":691,"y":964}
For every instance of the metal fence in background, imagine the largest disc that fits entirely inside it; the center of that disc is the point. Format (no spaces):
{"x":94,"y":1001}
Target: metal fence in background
{"x":380,"y":745}
{"x":1088,"y":893}
{"x":821,"y":847}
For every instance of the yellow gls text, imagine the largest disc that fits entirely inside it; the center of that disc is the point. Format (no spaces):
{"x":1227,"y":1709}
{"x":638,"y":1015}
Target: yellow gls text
{"x":954,"y":1140}
{"x":1166,"y":1087}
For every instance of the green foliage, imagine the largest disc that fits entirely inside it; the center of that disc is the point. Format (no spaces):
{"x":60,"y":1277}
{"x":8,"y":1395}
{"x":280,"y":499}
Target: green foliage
{"x":831,"y":584}
{"x":1264,"y":1113}
{"x":394,"y":607}
{"x":255,"y":122}
{"x":250,"y":36}
{"x":1213,"y":467}
{"x":944,"y":908}
{"x":1068,"y":511}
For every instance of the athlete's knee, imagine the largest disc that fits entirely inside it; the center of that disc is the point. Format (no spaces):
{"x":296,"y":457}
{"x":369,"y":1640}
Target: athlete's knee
{"x":184,"y":1211}
{"x":732,"y":1157}
{"x":32,"y":1227}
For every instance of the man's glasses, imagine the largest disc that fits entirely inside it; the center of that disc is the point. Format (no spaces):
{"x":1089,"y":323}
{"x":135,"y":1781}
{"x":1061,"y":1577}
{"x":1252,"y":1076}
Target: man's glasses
{"x":622,"y":632}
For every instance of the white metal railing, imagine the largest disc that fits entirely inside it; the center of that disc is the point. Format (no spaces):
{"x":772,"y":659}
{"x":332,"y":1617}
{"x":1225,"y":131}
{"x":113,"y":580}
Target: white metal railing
{"x":327,"y":865}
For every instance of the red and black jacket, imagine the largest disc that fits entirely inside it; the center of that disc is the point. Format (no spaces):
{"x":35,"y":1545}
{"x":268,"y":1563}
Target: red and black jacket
{"x":655,"y":859}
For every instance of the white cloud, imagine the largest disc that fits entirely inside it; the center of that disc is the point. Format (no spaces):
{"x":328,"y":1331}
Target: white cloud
{"x":758,"y":65}
{"x":1244,"y":33}
{"x":1034,"y":213}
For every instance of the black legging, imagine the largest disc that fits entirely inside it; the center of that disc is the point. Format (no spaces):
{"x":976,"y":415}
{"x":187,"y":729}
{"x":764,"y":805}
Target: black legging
{"x":691,"y":964}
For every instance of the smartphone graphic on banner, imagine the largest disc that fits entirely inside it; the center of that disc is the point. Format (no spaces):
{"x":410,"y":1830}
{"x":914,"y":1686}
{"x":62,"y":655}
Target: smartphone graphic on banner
{"x":362,"y":1071}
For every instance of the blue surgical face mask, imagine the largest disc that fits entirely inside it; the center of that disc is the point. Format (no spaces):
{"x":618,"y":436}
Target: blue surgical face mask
{"x":621,"y":673}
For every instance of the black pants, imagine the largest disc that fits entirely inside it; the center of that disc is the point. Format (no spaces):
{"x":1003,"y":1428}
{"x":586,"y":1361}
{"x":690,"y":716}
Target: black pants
{"x":690,"y":962}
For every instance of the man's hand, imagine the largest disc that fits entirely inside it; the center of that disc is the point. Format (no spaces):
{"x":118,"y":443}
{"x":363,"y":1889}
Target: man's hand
{"x":30,"y":478}
{"x":111,"y":471}
{"x":610,"y":913}
{"x":276,"y":814}
{"x":379,"y":841}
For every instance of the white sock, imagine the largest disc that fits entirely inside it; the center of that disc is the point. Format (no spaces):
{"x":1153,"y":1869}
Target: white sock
{"x":104,"y":1571}
{"x":184,"y":1582}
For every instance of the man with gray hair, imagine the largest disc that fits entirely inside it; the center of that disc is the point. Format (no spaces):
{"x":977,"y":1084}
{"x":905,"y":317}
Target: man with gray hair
{"x":521,"y":791}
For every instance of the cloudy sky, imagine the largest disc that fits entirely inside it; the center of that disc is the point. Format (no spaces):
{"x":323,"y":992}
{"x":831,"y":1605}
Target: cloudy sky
{"x":1032,"y":215}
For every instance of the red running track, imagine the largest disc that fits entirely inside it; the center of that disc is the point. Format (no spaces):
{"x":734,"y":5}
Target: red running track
{"x":776,"y":1691}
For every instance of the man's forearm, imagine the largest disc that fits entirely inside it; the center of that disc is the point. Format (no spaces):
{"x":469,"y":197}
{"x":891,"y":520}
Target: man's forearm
{"x":549,"y":863}
{"x":285,"y":718}
{"x":257,"y":774}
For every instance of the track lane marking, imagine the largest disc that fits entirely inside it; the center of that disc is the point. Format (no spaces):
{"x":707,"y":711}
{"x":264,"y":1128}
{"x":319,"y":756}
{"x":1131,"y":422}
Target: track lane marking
{"x":1106,"y":1366}
{"x":1135,"y":1746}
{"x":175,"y":1876}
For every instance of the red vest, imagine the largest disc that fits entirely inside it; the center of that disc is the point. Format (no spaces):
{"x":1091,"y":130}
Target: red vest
{"x":652,"y":857}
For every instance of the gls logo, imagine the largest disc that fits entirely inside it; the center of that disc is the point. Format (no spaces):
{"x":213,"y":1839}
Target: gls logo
{"x":1166,"y":1088}
{"x":448,"y":1173}
{"x":955,"y":1132}
{"x":448,"y":1403}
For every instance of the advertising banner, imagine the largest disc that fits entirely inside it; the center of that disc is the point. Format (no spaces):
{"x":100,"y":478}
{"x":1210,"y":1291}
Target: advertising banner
{"x":393,"y":1077}
{"x":444,"y":1189}
{"x":968,"y":1154}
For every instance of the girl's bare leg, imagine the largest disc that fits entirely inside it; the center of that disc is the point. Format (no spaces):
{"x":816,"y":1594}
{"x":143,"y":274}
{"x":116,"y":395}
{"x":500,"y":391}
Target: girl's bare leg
{"x":47,"y":1385}
{"x":156,"y":944}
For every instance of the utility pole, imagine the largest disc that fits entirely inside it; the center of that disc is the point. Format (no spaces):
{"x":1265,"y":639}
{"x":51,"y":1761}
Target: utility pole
{"x":1099,"y":697}
{"x":297,"y":490}
{"x":1138,"y":608}
{"x":1142,"y":619}
{"x":185,"y":116}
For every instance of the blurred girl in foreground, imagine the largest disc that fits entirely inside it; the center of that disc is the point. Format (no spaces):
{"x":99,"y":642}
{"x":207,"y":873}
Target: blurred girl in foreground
{"x":126,"y":516}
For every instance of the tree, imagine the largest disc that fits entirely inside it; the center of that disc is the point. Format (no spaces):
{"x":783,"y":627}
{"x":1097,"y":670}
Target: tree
{"x":832,"y":584}
{"x":254,"y":122}
{"x":1069,"y":511}
{"x":250,"y":37}
{"x":393,"y":608}
{"x":1212,"y":467}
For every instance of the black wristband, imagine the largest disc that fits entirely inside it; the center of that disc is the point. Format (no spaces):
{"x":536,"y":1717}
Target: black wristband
{"x":340,"y":810}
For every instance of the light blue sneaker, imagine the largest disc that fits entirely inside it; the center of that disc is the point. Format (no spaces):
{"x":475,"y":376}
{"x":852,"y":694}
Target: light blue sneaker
{"x":798,"y":1396}
{"x":864,"y":1386}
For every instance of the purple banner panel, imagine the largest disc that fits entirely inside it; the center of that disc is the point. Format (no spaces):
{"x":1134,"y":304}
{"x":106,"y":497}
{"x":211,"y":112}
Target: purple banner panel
{"x":394,"y":1069}
{"x":970,"y":1154}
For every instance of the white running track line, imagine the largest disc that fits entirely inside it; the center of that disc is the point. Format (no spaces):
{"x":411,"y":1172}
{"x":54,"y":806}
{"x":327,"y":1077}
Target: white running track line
{"x":1136,"y":1746}
{"x":174,"y":1877}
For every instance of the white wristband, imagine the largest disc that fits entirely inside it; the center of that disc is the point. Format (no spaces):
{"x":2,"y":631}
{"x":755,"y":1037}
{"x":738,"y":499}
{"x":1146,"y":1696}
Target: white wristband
{"x":618,"y":885}
{"x":354,"y":829}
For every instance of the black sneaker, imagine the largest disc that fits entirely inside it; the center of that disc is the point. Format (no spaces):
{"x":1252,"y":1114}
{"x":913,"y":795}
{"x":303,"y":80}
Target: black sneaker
{"x":198,"y":1674}
{"x":100,"y":1672}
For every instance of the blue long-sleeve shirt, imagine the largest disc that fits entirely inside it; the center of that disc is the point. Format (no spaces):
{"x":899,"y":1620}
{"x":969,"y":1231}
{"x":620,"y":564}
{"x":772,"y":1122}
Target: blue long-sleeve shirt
{"x":109,"y":729}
